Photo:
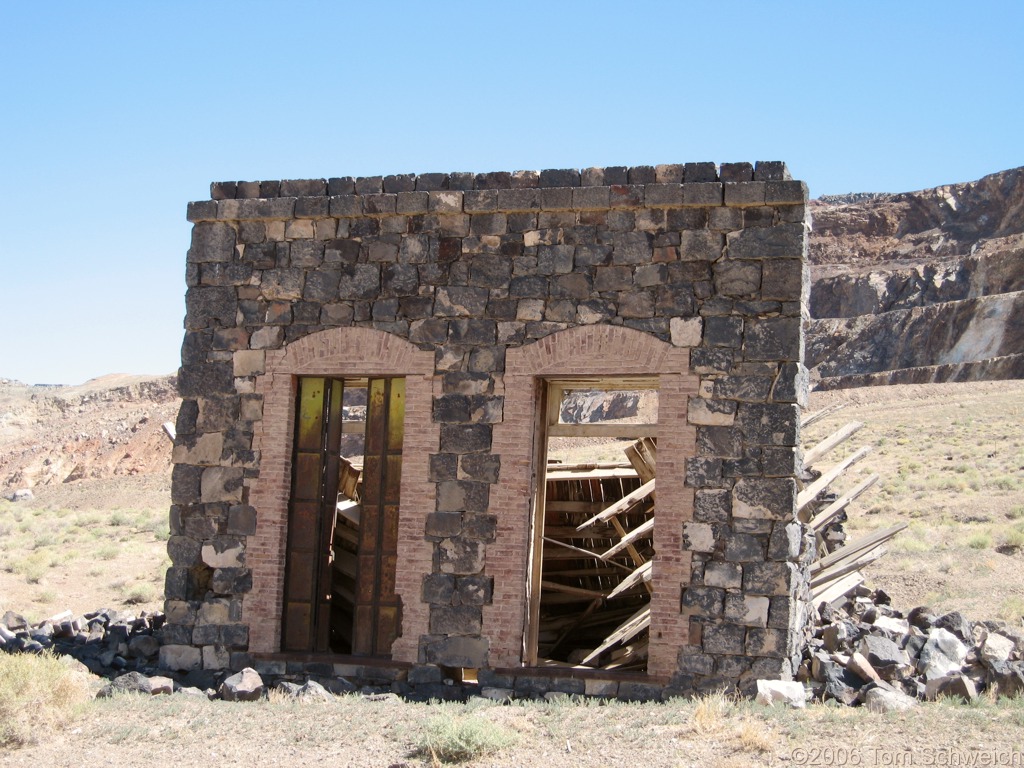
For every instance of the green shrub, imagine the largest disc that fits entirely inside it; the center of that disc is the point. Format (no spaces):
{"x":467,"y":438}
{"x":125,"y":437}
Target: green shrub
{"x":979,"y":541}
{"x":38,"y":694}
{"x":451,"y":738}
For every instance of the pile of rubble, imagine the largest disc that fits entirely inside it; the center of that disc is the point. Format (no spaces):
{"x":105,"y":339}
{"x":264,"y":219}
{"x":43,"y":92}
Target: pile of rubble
{"x":107,"y":642}
{"x":863,"y":644}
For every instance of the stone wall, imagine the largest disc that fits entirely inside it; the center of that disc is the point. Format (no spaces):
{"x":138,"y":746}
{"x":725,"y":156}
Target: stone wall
{"x":476,"y":287}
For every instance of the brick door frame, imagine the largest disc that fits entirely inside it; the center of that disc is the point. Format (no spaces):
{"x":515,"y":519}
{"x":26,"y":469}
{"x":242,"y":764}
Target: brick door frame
{"x":606,"y":351}
{"x":344,"y":352}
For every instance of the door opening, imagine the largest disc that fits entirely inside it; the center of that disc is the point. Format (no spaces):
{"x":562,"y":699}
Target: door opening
{"x":343,"y":517}
{"x":593,"y":544}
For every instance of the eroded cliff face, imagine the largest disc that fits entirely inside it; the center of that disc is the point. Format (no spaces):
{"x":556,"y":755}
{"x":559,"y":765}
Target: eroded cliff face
{"x":920,"y":286}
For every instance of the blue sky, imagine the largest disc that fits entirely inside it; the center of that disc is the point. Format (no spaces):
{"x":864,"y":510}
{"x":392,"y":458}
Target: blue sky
{"x":116,"y":114}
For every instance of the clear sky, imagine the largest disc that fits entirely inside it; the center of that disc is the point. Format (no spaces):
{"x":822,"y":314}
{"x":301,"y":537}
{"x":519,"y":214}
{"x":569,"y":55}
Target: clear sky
{"x":115,"y":114}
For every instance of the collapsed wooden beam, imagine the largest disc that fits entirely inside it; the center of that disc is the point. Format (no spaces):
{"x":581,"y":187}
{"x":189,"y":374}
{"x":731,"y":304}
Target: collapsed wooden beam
{"x":855,"y":548}
{"x":810,"y":493}
{"x":829,"y":513}
{"x":586,"y":553}
{"x":621,"y":505}
{"x":639,"y":532}
{"x":629,"y":629}
{"x":811,"y":418}
{"x":836,"y":438}
{"x":641,"y":574}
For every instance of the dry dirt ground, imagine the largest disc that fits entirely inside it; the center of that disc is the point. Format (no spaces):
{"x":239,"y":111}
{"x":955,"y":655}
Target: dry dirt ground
{"x":951,"y":457}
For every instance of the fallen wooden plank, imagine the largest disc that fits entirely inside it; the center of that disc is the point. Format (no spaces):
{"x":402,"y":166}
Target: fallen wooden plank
{"x":837,"y":570}
{"x":585,"y":552}
{"x":860,"y":545}
{"x":836,"y":438}
{"x":829,"y":513}
{"x":838,"y":589}
{"x":567,"y":589}
{"x":621,"y":505}
{"x":168,"y":427}
{"x":810,"y":493}
{"x":641,"y":574}
{"x":811,"y":418}
{"x":556,"y":475}
{"x":642,"y":530}
{"x":618,"y":430}
{"x":350,"y":510}
{"x":629,"y":629}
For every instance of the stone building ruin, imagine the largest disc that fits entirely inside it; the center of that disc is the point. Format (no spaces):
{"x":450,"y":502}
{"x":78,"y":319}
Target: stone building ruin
{"x":370,"y":477}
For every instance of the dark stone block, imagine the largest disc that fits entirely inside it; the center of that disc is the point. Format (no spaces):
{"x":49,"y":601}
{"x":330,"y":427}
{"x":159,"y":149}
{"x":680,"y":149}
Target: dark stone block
{"x":712,"y":506}
{"x":724,"y":442}
{"x":206,"y":306}
{"x":569,"y":177}
{"x":480,"y":527}
{"x":736,"y":172}
{"x":768,"y":243}
{"x":212,"y":242}
{"x":528,"y":287}
{"x":776,"y":338}
{"x":465,"y":438}
{"x":770,"y":578}
{"x":474,"y":590}
{"x":185,"y":424}
{"x":303,"y":187}
{"x":471,"y":331}
{"x":700,"y":172}
{"x":744,"y":548}
{"x":443,"y":525}
{"x":185,"y":484}
{"x":321,"y":286}
{"x":438,"y":588}
{"x":723,"y":331}
{"x":456,"y":651}
{"x":703,"y":601}
{"x":702,"y":472}
{"x":344,"y":185}
{"x":231,"y":581}
{"x":771,"y":170}
{"x":711,"y":360}
{"x":748,"y":388}
{"x":725,"y":639}
{"x":769,"y":423}
{"x":176,"y":588}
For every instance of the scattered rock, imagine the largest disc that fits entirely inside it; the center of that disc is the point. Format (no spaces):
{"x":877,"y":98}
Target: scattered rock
{"x":246,"y":685}
{"x":888,"y":700}
{"x":788,"y":692}
{"x":22,"y":494}
{"x":131,"y":682}
{"x":942,"y":655}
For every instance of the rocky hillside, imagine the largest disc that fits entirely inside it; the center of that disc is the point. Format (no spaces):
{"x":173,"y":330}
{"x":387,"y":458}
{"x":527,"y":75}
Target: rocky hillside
{"x":919,"y":287}
{"x":105,"y":428}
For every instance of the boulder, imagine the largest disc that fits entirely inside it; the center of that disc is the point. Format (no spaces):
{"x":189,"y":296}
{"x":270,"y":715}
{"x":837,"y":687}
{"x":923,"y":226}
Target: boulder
{"x":889,"y":660}
{"x":246,"y":685}
{"x":888,"y":700}
{"x":788,"y":692}
{"x":956,"y":685}
{"x":1007,"y":678}
{"x":958,"y":624}
{"x":997,"y":648}
{"x":131,"y":682}
{"x":943,"y":654}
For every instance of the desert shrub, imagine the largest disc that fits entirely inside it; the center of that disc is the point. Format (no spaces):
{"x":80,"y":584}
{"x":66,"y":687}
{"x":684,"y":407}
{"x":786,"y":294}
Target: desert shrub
{"x":1012,"y":538}
{"x":450,"y":737}
{"x":108,"y":552}
{"x":137,"y":593}
{"x":1016,"y":512}
{"x":979,"y":540}
{"x":38,"y":694}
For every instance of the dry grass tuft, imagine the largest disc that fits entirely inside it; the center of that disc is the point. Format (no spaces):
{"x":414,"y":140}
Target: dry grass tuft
{"x":38,"y":695}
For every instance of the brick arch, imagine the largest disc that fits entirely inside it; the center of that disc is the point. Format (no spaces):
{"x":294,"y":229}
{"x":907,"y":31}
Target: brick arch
{"x":589,"y":349}
{"x":364,"y":349}
{"x":342,"y":352}
{"x":594,"y":350}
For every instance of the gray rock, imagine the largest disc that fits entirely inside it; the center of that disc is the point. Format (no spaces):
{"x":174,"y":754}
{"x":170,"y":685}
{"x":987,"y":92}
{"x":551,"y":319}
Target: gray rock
{"x":956,"y":686}
{"x":956,"y":623}
{"x":943,"y":654}
{"x":22,"y":494}
{"x":143,"y":646}
{"x":246,"y":685}
{"x":788,"y":692}
{"x":887,"y":700}
{"x":132,"y":682}
{"x":888,"y":659}
{"x":997,"y":648}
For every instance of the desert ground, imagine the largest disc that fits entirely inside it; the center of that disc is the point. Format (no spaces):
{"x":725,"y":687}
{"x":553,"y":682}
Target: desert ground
{"x":951,"y":461}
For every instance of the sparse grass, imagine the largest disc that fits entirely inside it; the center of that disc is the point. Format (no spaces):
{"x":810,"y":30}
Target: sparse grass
{"x":453,"y":736}
{"x":138,"y":593}
{"x":38,"y":694}
{"x":980,"y":540}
